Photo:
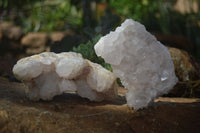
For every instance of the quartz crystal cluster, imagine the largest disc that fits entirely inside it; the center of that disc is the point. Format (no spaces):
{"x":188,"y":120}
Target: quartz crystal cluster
{"x":48,"y":74}
{"x":142,"y":63}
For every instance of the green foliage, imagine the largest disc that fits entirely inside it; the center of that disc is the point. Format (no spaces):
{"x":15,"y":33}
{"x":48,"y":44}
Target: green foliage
{"x":159,"y":16}
{"x":87,"y":51}
{"x":46,"y":15}
{"x":52,"y":15}
{"x":154,"y":14}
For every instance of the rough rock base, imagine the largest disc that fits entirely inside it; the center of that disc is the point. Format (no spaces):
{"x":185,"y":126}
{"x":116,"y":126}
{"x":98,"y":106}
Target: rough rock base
{"x":68,"y":112}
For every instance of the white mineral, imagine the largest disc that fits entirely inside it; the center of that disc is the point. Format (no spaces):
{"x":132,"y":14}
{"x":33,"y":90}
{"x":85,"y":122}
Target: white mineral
{"x":142,"y":63}
{"x":48,"y":74}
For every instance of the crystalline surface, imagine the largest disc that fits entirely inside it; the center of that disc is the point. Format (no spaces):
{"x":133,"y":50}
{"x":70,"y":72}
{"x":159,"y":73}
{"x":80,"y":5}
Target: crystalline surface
{"x":142,"y":63}
{"x":48,"y":74}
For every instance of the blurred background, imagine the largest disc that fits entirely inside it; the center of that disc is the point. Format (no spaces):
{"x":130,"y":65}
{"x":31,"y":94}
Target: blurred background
{"x":29,"y":27}
{"x":175,"y":23}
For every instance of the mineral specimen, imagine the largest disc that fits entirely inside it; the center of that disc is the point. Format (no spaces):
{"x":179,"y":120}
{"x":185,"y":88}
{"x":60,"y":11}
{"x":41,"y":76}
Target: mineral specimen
{"x":142,"y":63}
{"x":48,"y":74}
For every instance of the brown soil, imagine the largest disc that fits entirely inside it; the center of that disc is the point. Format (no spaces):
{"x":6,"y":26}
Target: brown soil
{"x":69,"y":113}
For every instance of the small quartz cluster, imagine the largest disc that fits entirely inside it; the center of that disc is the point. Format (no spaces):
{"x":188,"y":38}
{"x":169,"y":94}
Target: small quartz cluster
{"x":48,"y":74}
{"x":142,"y":63}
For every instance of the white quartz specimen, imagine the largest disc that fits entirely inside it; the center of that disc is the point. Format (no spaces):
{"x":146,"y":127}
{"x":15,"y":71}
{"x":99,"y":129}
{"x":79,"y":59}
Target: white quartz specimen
{"x":48,"y":74}
{"x":142,"y":63}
